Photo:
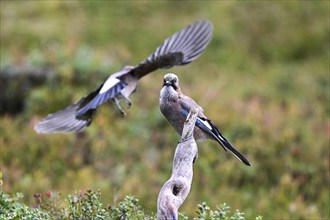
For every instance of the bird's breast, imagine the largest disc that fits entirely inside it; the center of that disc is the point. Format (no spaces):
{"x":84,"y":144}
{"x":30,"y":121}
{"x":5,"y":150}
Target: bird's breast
{"x":168,"y":95}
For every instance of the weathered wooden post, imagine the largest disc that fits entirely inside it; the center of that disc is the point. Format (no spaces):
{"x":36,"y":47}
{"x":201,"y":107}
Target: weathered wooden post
{"x":176,"y":189}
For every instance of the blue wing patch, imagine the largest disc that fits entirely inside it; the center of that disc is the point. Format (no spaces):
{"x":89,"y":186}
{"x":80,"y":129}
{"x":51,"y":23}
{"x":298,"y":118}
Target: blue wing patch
{"x":101,"y":98}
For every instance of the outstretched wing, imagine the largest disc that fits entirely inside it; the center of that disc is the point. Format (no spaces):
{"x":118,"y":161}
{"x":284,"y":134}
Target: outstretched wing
{"x":181,"y":48}
{"x":107,"y":91}
{"x":77,"y":116}
{"x":65,"y":120}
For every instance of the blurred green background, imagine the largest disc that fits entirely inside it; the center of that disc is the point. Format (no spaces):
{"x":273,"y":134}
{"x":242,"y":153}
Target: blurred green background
{"x":264,"y":80}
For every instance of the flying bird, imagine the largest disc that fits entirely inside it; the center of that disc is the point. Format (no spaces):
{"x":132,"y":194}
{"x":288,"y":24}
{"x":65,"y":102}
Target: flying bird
{"x":179,"y":49}
{"x":175,"y":106}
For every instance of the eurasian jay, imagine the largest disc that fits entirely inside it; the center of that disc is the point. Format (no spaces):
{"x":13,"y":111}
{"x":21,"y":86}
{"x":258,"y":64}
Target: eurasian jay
{"x":175,"y":106}
{"x":179,"y":49}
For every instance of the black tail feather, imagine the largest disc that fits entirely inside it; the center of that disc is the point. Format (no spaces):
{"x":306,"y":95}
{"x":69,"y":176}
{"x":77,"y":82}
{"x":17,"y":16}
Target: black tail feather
{"x":226,"y":144}
{"x":215,"y":133}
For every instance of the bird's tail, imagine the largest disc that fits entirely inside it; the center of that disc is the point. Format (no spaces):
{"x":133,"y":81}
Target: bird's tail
{"x":232,"y":149}
{"x":212,"y":130}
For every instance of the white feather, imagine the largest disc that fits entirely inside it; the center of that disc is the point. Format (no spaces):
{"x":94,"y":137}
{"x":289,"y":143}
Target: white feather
{"x":206,"y":124}
{"x":110,"y":82}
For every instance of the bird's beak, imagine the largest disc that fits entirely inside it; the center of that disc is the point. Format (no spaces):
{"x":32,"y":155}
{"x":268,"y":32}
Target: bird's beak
{"x":167,"y":83}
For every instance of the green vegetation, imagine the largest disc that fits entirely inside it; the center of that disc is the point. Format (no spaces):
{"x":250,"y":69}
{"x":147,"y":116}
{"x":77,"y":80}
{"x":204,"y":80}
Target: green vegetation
{"x":264,"y":80}
{"x":88,"y":206}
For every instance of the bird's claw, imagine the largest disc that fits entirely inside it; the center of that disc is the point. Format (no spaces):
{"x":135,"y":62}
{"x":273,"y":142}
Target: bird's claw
{"x":122,"y":113}
{"x":128,"y":101}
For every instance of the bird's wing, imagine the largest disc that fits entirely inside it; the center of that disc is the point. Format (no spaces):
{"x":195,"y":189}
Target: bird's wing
{"x":179,"y":49}
{"x":64,"y":121}
{"x":109,"y":89}
{"x":208,"y":127}
{"x":77,"y":116}
{"x":188,"y":103}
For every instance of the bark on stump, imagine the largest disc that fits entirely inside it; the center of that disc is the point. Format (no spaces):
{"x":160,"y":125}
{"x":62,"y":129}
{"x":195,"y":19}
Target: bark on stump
{"x":176,"y":189}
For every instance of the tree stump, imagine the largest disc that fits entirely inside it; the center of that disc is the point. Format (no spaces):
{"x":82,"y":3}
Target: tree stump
{"x":176,"y":189}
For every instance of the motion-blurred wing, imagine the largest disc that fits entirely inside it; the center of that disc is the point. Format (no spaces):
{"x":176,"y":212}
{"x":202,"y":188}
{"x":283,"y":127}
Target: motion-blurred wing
{"x":181,"y":48}
{"x":64,"y":121}
{"x":79,"y":115}
{"x":107,"y":91}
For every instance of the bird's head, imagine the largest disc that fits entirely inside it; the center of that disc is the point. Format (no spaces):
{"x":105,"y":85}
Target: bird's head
{"x":172,"y":80}
{"x":171,"y":89}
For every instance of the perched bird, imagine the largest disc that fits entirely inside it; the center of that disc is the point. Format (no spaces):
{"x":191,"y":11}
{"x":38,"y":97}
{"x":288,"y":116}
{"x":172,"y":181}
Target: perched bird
{"x":179,"y":49}
{"x":175,"y":106}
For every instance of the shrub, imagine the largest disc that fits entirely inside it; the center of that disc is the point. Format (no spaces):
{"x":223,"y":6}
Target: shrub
{"x":88,"y":206}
